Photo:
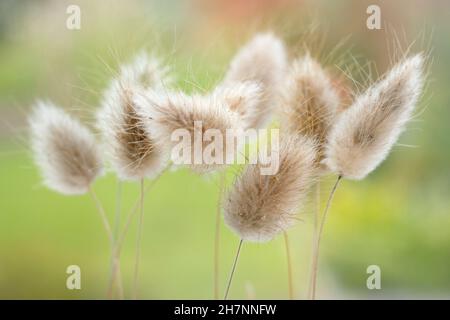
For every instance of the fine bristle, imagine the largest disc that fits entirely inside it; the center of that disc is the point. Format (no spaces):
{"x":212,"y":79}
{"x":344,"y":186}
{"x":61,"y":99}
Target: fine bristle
{"x":146,"y":71}
{"x":310,"y":101}
{"x":165,"y":113}
{"x":64,"y":150}
{"x":259,"y":207}
{"x":262,"y":60}
{"x":132,"y":153}
{"x":365,"y":132}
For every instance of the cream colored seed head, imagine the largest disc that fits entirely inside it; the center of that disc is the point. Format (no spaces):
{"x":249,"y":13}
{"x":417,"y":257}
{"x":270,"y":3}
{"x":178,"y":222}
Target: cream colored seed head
{"x":262,"y":60}
{"x":259,"y":207}
{"x":64,"y":150}
{"x":310,"y":101}
{"x":169,"y":115}
{"x":132,"y":153}
{"x":365,"y":132}
{"x":243,"y":98}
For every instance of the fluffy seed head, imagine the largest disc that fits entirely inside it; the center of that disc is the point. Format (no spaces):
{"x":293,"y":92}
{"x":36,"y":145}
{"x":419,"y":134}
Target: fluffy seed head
{"x":64,"y":150}
{"x":168,"y":114}
{"x":263,"y":60}
{"x":259,"y":207}
{"x":244,"y":98}
{"x":146,"y":71}
{"x":133,"y":154}
{"x":366,"y":131}
{"x":310,"y":101}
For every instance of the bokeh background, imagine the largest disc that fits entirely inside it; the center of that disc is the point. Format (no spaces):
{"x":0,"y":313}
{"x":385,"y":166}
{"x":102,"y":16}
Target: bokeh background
{"x":398,"y":218}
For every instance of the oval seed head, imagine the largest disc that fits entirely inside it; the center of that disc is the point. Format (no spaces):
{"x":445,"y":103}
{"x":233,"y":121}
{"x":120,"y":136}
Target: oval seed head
{"x":310,"y":101}
{"x":259,"y":207}
{"x":262,"y":60}
{"x":132,"y":153}
{"x":366,"y":131}
{"x":64,"y":150}
{"x":193,"y":129}
{"x":244,"y":98}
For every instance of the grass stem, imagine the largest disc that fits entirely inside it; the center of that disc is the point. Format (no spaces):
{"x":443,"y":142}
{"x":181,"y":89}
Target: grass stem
{"x":233,"y":269}
{"x":115,"y":277}
{"x":103,"y":217}
{"x":138,"y":242}
{"x":289,"y":266}
{"x":106,"y":225}
{"x":217,"y":236}
{"x":315,"y":261}
{"x":129,"y":219}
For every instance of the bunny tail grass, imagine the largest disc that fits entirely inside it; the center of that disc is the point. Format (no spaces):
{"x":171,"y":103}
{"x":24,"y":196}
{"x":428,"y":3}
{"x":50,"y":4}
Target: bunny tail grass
{"x":365,"y":133}
{"x":263,"y":60}
{"x":65,"y":151}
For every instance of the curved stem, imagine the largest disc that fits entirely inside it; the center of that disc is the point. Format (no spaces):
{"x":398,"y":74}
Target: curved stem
{"x":101,"y":212}
{"x":289,"y":266}
{"x":115,"y":260}
{"x":318,"y":238}
{"x":217,"y":238}
{"x":138,"y":242}
{"x":130,"y":217}
{"x":314,"y":237}
{"x":119,"y":277}
{"x":105,"y":221}
{"x":135,"y":207}
{"x":233,"y":269}
{"x":116,"y":273}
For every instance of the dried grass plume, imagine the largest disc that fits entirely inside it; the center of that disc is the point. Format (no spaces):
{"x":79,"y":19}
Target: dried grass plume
{"x":64,"y":150}
{"x":262,"y":60}
{"x":244,"y":98}
{"x":310,"y":101}
{"x":133,"y":154}
{"x":165,"y":113}
{"x":365,"y":132}
{"x":259,"y":207}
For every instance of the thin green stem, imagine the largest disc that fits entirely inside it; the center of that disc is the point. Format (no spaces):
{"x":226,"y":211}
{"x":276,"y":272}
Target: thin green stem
{"x":319,"y":236}
{"x":115,"y":259}
{"x":129,"y":219}
{"x":138,"y":242}
{"x":289,"y":266}
{"x":136,"y":206}
{"x":217,"y":237}
{"x":314,"y":237}
{"x":230,"y":279}
{"x":103,"y":217}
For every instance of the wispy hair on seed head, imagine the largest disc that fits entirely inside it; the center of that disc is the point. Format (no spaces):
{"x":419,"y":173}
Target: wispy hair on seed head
{"x":310,"y":101}
{"x":64,"y":150}
{"x":133,"y":154}
{"x":262,"y":60}
{"x":243,"y":98}
{"x":146,"y":71}
{"x":365,"y":132}
{"x":164,"y":113}
{"x":259,"y":207}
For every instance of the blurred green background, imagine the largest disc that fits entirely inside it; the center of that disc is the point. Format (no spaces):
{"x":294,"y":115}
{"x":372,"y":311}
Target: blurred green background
{"x":398,"y":218}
